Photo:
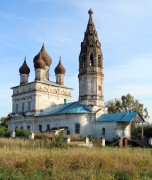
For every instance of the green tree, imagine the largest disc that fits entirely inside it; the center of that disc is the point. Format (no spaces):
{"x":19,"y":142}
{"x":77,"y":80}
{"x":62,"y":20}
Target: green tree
{"x":4,"y":132}
{"x":127,"y":104}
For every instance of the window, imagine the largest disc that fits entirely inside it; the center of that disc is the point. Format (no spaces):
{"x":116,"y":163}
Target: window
{"x":29,"y":106}
{"x":22,"y":107}
{"x":16,"y":108}
{"x":68,"y":132}
{"x":103,"y":132}
{"x":40,"y":128}
{"x":48,"y":127}
{"x":99,"y":88}
{"x":16,"y":128}
{"x":91,"y":59}
{"x":77,"y":128}
{"x":28,"y":127}
{"x":21,"y":127}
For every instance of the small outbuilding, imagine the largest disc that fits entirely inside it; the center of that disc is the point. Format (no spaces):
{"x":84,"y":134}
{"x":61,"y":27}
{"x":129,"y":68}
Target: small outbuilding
{"x":116,"y":125}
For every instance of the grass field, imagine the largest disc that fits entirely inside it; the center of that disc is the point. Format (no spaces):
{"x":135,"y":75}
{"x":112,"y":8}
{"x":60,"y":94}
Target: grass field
{"x":23,"y":159}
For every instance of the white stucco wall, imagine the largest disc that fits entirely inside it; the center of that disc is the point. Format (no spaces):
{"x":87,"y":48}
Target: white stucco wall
{"x":110,"y":130}
{"x":64,"y":120}
{"x":40,"y":96}
{"x":123,"y":130}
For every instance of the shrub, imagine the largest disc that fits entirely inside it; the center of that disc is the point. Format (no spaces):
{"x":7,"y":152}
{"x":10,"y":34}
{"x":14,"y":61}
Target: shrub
{"x":58,"y":141}
{"x":91,"y":137}
{"x":43,"y":136}
{"x":76,"y":138}
{"x":4,"y":132}
{"x":22,"y":132}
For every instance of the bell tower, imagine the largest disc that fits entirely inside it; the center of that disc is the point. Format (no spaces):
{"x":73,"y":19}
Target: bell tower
{"x":91,"y":68}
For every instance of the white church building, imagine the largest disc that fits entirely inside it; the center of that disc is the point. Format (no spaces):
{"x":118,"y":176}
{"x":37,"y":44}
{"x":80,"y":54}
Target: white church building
{"x":42,"y":105}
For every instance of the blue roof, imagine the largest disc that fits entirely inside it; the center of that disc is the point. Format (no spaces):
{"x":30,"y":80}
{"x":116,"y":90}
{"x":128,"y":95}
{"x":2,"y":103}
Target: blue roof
{"x":117,"y":117}
{"x":69,"y":108}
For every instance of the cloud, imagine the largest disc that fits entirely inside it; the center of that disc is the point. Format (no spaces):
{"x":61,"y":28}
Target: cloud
{"x":137,"y":69}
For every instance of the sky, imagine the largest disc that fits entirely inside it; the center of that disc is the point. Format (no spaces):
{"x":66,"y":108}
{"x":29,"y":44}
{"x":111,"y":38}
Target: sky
{"x":124,"y":29}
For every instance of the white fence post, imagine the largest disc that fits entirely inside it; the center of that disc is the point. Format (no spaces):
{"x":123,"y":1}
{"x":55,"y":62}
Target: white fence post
{"x":103,"y":142}
{"x":68,"y":140}
{"x":12,"y":134}
{"x":87,"y":140}
{"x":150,"y":141}
{"x":31,"y":136}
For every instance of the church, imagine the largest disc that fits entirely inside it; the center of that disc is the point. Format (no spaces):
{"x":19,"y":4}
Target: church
{"x":43,"y":105}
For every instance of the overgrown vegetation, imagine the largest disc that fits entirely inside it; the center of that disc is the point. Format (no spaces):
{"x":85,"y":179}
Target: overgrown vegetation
{"x":127,"y":103}
{"x":24,"y":159}
{"x":136,"y":130}
{"x":22,"y":133}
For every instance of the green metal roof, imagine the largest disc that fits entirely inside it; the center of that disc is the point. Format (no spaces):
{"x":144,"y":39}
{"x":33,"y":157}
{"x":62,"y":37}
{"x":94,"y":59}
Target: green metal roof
{"x":118,"y":117}
{"x":69,"y":108}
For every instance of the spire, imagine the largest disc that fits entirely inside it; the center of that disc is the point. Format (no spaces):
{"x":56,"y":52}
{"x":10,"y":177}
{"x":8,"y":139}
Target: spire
{"x":91,"y":45}
{"x":91,"y":32}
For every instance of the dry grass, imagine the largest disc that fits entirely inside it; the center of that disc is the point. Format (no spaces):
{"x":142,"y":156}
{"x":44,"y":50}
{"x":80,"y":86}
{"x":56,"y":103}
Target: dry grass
{"x":20,"y":159}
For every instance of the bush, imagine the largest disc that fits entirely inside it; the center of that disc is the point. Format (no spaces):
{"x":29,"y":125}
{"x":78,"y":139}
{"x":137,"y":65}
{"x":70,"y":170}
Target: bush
{"x":91,"y":137}
{"x":43,"y":136}
{"x":76,"y":138}
{"x":22,"y":132}
{"x":4,"y":132}
{"x":58,"y":141}
{"x":136,"y":130}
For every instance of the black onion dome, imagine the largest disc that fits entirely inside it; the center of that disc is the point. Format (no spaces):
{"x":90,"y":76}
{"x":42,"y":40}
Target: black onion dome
{"x":24,"y":69}
{"x":39,"y":63}
{"x":45,"y":57}
{"x":60,"y":69}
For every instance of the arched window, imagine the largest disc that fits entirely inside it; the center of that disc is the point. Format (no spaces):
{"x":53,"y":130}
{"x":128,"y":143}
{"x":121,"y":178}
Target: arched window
{"x":40,"y":128}
{"x":91,"y":59}
{"x":48,"y":127}
{"x":77,"y":128}
{"x":103,"y":132}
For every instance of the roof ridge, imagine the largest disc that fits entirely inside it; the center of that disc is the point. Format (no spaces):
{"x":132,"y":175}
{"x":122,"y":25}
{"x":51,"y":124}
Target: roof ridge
{"x":70,"y":104}
{"x":124,"y":115}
